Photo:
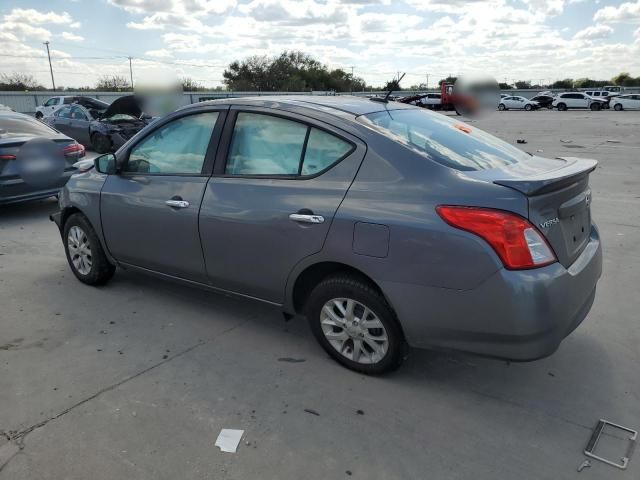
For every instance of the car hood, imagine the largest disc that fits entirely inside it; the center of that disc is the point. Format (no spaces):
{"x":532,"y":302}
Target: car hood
{"x":127,"y":105}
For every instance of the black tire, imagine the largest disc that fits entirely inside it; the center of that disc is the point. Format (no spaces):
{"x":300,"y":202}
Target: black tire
{"x":617,"y":107}
{"x":595,"y":107}
{"x":501,"y":107}
{"x":352,"y":287}
{"x":100,"y":270}
{"x":562,"y":107}
{"x":39,"y":115}
{"x":100,"y":143}
{"x":528,"y":108}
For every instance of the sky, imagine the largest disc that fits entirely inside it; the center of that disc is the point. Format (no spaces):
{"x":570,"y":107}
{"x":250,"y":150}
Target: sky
{"x":537,"y":40}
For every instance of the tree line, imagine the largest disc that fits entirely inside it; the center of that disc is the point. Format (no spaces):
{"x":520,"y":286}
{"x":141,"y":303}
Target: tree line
{"x":294,"y":71}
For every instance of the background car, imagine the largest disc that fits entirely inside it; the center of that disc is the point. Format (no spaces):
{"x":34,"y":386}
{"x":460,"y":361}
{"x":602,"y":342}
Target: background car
{"x":544,"y":101}
{"x":104,"y":128}
{"x":55,"y":103}
{"x":17,"y":130}
{"x":383,"y":223}
{"x":517,"y":103}
{"x":568,"y":100}
{"x":626,"y":102}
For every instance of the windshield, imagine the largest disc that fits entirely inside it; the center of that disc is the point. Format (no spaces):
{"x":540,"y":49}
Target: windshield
{"x":19,"y":126}
{"x":444,"y":140}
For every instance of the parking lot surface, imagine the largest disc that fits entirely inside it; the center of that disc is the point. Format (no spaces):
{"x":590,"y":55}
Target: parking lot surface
{"x":137,"y":378}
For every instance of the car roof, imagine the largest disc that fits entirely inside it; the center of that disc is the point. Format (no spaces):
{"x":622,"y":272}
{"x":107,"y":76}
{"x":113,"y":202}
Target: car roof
{"x":336,"y":104}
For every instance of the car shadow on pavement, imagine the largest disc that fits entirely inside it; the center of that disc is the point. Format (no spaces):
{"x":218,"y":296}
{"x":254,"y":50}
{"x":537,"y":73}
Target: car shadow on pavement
{"x":32,"y":210}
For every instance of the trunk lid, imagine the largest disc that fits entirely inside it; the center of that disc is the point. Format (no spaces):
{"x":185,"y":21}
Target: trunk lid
{"x":559,"y":200}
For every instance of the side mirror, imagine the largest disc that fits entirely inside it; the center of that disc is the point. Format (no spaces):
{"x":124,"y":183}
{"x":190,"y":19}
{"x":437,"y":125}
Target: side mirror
{"x":106,"y":164}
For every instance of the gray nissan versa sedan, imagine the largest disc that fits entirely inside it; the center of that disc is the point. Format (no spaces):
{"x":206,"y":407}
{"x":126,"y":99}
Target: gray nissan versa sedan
{"x":385,"y":224}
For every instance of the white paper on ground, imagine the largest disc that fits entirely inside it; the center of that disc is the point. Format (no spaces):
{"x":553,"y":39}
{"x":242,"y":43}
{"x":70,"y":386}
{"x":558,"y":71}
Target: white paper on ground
{"x":229,"y":439}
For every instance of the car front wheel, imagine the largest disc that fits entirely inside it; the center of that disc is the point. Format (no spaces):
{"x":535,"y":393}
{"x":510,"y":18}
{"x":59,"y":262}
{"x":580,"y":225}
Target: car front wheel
{"x":595,"y":107}
{"x":528,"y":108}
{"x":100,"y":143}
{"x":355,"y":325}
{"x":39,"y":115}
{"x":84,"y":252}
{"x":617,"y":107}
{"x":501,"y":107}
{"x":562,"y":107}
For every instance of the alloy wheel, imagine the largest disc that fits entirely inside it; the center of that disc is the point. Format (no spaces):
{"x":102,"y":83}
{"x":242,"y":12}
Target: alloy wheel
{"x":354,"y":330}
{"x":79,"y":250}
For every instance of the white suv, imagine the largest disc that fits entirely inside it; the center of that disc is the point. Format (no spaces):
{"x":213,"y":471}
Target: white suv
{"x":53,"y":104}
{"x":577,"y":100}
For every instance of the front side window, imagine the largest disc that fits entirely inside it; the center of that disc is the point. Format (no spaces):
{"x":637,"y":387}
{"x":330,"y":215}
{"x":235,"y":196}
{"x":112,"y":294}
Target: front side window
{"x":51,"y":102}
{"x":274,"y":146}
{"x":179,"y":147}
{"x":64,"y":112}
{"x":78,"y":114}
{"x":443,"y":139}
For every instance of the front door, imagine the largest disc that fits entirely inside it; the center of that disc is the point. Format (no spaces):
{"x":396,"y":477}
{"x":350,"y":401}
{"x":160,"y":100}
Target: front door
{"x":150,"y":208}
{"x":272,"y":199}
{"x":79,"y":125}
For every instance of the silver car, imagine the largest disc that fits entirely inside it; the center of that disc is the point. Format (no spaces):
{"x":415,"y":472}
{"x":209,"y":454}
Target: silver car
{"x":386,"y":225}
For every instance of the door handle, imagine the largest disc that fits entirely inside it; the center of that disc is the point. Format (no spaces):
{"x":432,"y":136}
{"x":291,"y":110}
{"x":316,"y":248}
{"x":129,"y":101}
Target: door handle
{"x":177,"y":203}
{"x":302,"y":218}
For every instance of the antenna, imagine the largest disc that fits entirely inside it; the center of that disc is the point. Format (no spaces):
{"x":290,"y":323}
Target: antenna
{"x":386,"y":98}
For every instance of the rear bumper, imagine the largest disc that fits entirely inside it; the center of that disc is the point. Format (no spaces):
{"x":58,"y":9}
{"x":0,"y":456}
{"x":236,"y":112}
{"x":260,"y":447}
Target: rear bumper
{"x":15,"y":190}
{"x":517,"y":315}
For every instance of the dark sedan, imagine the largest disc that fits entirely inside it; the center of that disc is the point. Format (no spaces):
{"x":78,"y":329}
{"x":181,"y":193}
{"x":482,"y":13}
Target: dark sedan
{"x":544,"y":101}
{"x":104,"y":128}
{"x":35,"y":160}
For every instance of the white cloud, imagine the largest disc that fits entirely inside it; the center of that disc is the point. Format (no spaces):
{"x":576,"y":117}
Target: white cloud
{"x":26,"y":31}
{"x":160,"y":53}
{"x":546,"y":7}
{"x":34,"y":17}
{"x":594,"y":32}
{"x":71,"y":37}
{"x":628,"y":12}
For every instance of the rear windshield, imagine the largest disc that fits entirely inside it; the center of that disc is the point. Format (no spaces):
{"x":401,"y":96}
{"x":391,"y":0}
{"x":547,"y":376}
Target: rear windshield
{"x":18,"y":126}
{"x":445,"y":140}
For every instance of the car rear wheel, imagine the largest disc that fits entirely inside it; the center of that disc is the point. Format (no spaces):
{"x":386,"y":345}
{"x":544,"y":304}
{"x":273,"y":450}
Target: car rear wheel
{"x":100,"y":143}
{"x":528,"y":107}
{"x":595,"y":107}
{"x":562,"y":107}
{"x":355,"y":325}
{"x":501,"y":107}
{"x":617,"y":107}
{"x":84,"y":252}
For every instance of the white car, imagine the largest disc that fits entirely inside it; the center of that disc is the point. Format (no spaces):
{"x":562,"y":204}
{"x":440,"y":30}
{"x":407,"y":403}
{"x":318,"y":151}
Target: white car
{"x":568,"y":100}
{"x":431,"y":100}
{"x":51,"y":105}
{"x":517,"y":102}
{"x":626,"y":102}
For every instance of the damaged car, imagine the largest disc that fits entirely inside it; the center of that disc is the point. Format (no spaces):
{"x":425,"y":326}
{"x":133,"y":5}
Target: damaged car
{"x":103,"y":128}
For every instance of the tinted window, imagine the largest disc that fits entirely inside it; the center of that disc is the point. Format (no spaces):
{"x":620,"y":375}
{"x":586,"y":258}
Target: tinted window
{"x":78,"y":114}
{"x":17,"y":125}
{"x":442,"y":139}
{"x":64,"y":112}
{"x":68,"y":100}
{"x":265,"y":145}
{"x":52,"y":101}
{"x":323,"y":150}
{"x":178,"y":147}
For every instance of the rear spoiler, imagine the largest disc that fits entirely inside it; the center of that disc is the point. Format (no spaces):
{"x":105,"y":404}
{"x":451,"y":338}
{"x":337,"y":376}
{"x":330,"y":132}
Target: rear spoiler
{"x":573,"y":171}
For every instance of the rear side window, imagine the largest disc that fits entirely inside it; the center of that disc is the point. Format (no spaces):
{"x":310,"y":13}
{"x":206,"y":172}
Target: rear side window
{"x":18,"y":125}
{"x":444,"y":140}
{"x":273,"y":146}
{"x":68,"y":100}
{"x":179,"y":147}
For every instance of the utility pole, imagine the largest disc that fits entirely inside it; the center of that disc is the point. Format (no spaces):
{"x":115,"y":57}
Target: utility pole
{"x":427,"y":81}
{"x":131,"y":73}
{"x":50,"y":67}
{"x":351,"y":78}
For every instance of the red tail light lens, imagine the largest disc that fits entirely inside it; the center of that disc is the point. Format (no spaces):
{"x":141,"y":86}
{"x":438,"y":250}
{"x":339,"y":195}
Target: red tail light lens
{"x":516,"y":241}
{"x":74,"y":149}
{"x":7,"y":157}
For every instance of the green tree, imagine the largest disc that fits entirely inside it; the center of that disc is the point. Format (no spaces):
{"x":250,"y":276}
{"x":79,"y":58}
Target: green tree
{"x":625,"y":80}
{"x":191,"y":85}
{"x":566,"y":83}
{"x":112,"y":83}
{"x":18,"y":82}
{"x":504,"y":86}
{"x":448,"y":79}
{"x":522,"y":84}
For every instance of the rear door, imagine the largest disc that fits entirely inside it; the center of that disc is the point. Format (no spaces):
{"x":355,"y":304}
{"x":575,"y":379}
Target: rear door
{"x":276,"y":187}
{"x":150,"y":208}
{"x":61,"y":120}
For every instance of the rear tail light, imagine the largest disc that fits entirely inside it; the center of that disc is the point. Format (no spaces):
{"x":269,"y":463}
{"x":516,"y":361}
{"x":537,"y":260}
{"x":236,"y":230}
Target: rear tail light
{"x":7,"y":157}
{"x":516,"y":241}
{"x":74,"y":149}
